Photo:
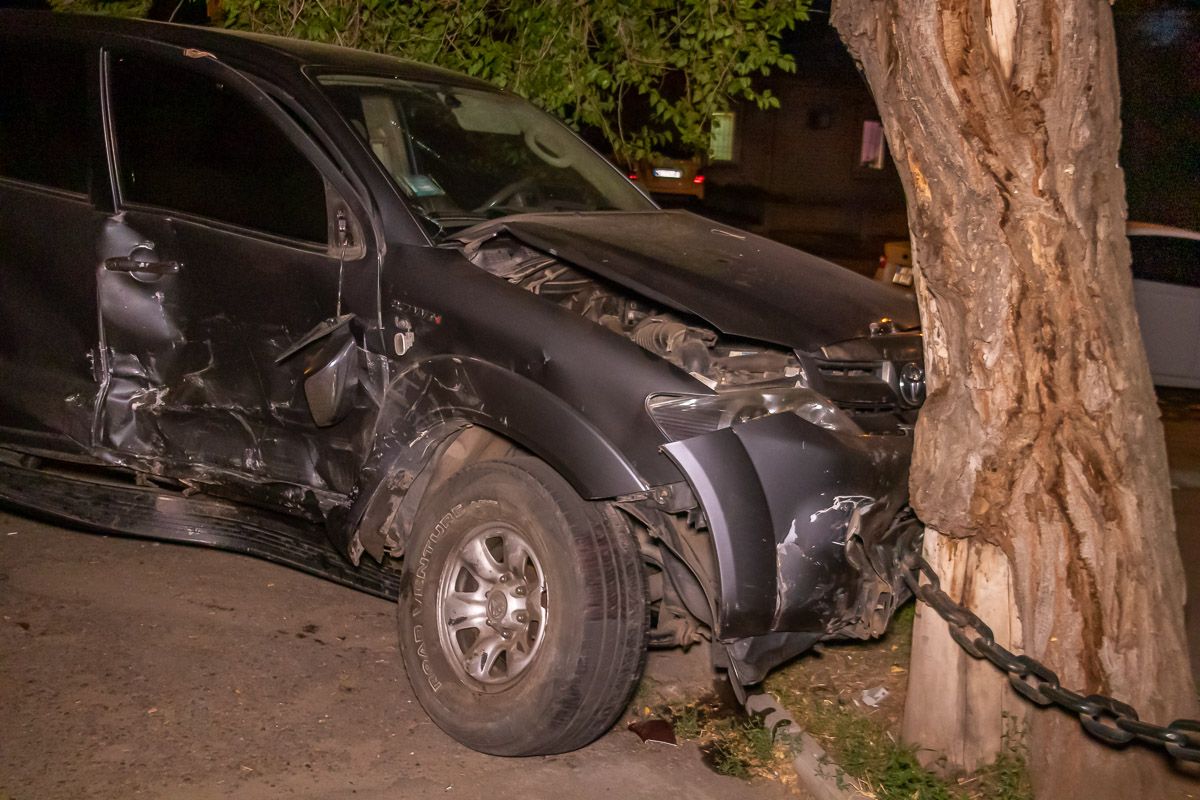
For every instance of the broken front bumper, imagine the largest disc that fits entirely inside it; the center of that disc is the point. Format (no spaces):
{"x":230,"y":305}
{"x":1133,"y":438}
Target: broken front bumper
{"x":808,"y":527}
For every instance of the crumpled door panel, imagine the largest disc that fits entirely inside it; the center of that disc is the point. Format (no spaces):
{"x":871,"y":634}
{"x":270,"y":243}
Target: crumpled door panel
{"x":47,"y":316}
{"x":191,"y":379}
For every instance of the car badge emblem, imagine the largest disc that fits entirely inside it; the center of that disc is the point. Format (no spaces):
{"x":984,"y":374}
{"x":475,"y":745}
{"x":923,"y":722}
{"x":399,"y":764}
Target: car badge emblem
{"x":912,"y":384}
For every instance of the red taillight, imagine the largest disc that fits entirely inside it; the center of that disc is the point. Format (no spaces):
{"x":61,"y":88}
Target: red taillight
{"x":633,"y":176}
{"x":698,"y":179}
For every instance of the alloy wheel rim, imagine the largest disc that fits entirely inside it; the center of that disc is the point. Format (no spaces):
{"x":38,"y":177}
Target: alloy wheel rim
{"x":493,"y":606}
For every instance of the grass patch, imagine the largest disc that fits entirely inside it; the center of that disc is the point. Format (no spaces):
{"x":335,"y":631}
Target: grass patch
{"x":731,"y":744}
{"x":1006,"y":778}
{"x":823,"y":693}
{"x":866,"y":752}
{"x":887,"y":769}
{"x":741,"y":750}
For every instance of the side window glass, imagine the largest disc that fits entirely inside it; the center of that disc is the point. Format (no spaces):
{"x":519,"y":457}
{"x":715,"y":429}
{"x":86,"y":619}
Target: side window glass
{"x":1166,"y":259}
{"x":43,"y":114}
{"x":188,"y":142}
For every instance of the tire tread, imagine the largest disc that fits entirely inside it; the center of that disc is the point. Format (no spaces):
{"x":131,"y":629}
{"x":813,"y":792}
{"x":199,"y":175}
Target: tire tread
{"x":619,"y":667}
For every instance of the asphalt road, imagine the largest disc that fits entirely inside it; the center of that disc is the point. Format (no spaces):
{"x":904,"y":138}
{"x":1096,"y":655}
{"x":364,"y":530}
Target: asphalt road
{"x":132,"y":669}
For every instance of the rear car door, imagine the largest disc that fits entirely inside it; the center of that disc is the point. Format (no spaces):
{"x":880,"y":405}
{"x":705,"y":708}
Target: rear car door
{"x":1166,"y":288}
{"x":49,"y":165}
{"x":228,"y":248}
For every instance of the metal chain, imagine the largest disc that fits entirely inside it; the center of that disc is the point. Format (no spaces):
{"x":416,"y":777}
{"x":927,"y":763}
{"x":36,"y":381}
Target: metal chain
{"x":1111,"y":721}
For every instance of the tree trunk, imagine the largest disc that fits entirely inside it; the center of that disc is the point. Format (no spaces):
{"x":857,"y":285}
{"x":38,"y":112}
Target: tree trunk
{"x":955,"y":706}
{"x":1040,"y":435}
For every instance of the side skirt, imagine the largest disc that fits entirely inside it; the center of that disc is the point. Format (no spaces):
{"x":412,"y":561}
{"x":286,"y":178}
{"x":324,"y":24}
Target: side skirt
{"x":108,"y":506}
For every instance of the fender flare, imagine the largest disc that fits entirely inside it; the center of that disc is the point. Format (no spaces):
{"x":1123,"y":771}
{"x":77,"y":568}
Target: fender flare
{"x":425,"y":406}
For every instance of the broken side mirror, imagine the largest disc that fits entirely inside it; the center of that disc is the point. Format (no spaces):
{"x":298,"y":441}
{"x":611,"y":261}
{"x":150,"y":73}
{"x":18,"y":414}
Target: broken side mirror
{"x":330,"y":380}
{"x":331,"y":369}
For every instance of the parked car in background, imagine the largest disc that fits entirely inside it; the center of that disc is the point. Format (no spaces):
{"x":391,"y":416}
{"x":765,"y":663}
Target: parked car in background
{"x":670,"y":176}
{"x":895,"y":265}
{"x":1166,"y":288}
{"x":356,"y":314}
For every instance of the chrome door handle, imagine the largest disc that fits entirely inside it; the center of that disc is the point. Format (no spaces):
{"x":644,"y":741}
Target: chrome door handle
{"x":128,"y":264}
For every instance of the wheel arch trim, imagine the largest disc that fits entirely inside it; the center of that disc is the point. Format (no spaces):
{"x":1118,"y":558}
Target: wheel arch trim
{"x":427,"y":406}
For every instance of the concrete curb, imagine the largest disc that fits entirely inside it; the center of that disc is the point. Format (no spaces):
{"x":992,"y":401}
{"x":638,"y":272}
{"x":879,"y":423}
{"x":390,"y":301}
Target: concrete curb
{"x":816,"y":771}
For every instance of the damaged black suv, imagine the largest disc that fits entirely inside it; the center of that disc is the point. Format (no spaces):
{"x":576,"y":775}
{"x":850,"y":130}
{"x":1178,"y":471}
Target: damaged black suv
{"x":389,"y":325}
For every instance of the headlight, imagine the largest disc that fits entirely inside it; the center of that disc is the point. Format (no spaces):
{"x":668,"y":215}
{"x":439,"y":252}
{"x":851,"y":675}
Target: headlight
{"x":682,"y":416}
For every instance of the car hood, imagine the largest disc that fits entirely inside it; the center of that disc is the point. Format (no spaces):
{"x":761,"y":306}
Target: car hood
{"x":739,"y":283}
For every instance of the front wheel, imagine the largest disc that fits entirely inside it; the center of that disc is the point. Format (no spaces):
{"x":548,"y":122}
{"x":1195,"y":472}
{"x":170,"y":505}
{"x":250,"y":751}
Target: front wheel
{"x":523,"y":611}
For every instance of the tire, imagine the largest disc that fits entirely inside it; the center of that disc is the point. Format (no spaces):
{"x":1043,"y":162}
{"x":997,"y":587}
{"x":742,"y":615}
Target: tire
{"x":496,"y":669}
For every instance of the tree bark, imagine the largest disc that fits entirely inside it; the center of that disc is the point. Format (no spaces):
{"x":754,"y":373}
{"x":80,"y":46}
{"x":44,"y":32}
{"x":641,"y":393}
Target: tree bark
{"x":1040,"y":435}
{"x":955,"y":705}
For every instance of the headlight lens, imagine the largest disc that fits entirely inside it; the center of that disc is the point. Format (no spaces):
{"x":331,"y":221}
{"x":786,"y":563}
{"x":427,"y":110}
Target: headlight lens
{"x":682,"y":416}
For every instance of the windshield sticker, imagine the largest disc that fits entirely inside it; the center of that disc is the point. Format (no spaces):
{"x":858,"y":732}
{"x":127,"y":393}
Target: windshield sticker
{"x":421,"y":186}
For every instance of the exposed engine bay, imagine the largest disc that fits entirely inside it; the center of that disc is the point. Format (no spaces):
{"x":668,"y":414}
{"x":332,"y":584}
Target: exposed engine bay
{"x":716,"y":361}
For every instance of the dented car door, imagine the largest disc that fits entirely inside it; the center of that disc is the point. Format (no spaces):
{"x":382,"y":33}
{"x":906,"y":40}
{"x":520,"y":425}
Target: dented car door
{"x":48,"y":226}
{"x":228,"y":247}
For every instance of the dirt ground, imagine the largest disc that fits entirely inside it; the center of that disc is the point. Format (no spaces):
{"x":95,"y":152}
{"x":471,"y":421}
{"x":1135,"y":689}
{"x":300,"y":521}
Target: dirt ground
{"x":132,"y":669}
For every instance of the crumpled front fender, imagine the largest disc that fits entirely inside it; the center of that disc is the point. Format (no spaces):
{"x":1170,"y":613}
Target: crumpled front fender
{"x":801,"y":520}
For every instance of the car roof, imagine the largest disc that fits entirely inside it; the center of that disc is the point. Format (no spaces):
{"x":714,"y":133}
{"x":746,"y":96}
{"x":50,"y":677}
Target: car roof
{"x":272,"y":52}
{"x":1154,"y":229}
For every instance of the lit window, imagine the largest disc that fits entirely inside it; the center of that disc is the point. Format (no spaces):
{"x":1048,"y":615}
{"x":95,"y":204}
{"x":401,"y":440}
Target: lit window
{"x":721,"y":141}
{"x":873,"y":145}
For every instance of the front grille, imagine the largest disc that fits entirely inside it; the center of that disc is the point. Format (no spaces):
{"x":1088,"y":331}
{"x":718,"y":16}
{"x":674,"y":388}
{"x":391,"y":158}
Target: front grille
{"x":855,"y":407}
{"x":837,"y":369}
{"x":866,"y":390}
{"x":858,"y":386}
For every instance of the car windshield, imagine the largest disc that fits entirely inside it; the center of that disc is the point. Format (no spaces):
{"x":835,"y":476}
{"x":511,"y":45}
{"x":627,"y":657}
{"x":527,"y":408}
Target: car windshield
{"x":465,"y":155}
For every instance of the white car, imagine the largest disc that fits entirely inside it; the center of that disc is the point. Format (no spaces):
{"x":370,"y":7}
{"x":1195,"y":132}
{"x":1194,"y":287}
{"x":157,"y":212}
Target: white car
{"x":1166,"y":288}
